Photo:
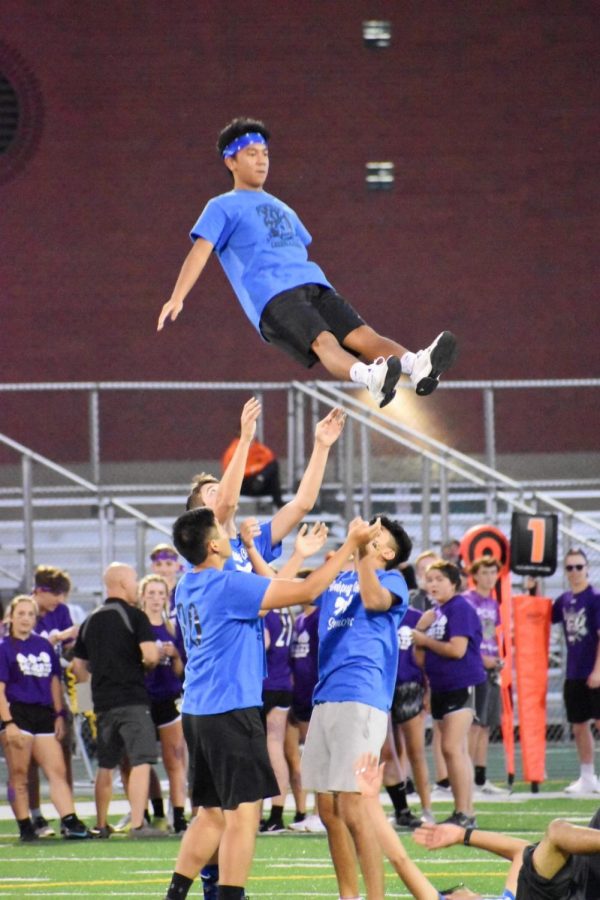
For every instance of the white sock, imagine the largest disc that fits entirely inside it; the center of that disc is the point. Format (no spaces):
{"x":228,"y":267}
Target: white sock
{"x":407,"y":362}
{"x":587,"y":770}
{"x":359,"y":372}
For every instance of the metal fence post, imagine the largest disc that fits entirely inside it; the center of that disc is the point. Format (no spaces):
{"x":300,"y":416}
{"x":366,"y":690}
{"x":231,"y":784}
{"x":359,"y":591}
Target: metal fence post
{"x":140,"y":547}
{"x":291,"y":431}
{"x":300,"y":454}
{"x":94,"y":430}
{"x":349,"y":471}
{"x":444,"y":505}
{"x":425,"y":503}
{"x":27,"y":482}
{"x":365,"y":460}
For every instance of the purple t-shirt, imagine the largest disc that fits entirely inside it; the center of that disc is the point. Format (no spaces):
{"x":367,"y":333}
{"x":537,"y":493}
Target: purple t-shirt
{"x":27,"y":668}
{"x":279,"y":623}
{"x":304,"y":659}
{"x":579,"y":615}
{"x":52,"y":621}
{"x":488,"y":610}
{"x":161,"y":682}
{"x":455,"y":618}
{"x":408,"y":670}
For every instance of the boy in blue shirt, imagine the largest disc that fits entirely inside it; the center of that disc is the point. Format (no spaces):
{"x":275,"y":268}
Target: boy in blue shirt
{"x":261,"y":244}
{"x":219,"y":611}
{"x":359,"y":617}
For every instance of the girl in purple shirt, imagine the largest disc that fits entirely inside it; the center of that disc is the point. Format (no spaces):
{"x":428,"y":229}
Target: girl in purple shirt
{"x":32,"y":714}
{"x":277,"y":699}
{"x":164,"y":688}
{"x":448,"y":639}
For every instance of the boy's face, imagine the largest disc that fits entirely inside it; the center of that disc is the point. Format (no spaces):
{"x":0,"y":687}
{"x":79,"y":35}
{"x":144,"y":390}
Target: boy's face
{"x":46,"y":601}
{"x":249,"y":167}
{"x":485,"y":579}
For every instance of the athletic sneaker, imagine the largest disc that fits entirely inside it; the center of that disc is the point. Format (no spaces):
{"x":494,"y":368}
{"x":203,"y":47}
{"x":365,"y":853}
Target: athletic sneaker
{"x":147,"y":831}
{"x":310,"y":824}
{"x":27,"y":832}
{"x":488,"y":788}
{"x":101,"y":831}
{"x":124,"y":824}
{"x":460,"y":818}
{"x":383,"y":377}
{"x":405,"y":821}
{"x":297,"y":825}
{"x":441,"y":793}
{"x":272,"y":828}
{"x":433,"y":362}
{"x":427,"y":817}
{"x":42,"y":828}
{"x":161,"y":823}
{"x":75,"y":830}
{"x":584,"y":785}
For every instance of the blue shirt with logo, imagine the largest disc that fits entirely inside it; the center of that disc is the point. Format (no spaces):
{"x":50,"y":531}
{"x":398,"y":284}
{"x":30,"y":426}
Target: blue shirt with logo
{"x":218,"y":612}
{"x":239,"y":561}
{"x":261,"y":244}
{"x":358,"y":648}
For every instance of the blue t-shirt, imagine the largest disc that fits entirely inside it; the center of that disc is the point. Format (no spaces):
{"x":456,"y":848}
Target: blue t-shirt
{"x":455,"y":618}
{"x":261,"y":244}
{"x":218,"y":613}
{"x":239,"y":561}
{"x":358,"y":648}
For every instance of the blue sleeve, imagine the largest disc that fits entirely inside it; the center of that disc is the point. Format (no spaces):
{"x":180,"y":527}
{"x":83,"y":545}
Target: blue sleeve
{"x":244,"y":592}
{"x":303,"y":233}
{"x":395,"y":583}
{"x":211,"y":224}
{"x":264,"y":546}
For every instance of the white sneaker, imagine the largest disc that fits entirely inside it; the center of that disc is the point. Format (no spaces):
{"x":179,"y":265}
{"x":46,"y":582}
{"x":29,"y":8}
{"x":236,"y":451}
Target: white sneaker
{"x":383,"y":377}
{"x":314,"y":825}
{"x":297,"y":826}
{"x":489,"y":788}
{"x":441,"y":793}
{"x":427,"y":817}
{"x":433,"y":362}
{"x":583,"y":786}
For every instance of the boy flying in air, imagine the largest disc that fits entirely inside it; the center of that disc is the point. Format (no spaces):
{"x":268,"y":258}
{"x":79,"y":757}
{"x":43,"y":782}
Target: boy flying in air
{"x":261,"y":244}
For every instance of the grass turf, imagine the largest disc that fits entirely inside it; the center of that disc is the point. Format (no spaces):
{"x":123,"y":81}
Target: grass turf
{"x":284,"y":866}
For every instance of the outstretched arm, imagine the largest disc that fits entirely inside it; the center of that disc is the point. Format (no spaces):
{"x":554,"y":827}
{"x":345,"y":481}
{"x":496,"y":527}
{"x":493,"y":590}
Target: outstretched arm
{"x":228,"y":492}
{"x":435,"y":837}
{"x":327,"y":432}
{"x":191,"y":270}
{"x":369,"y":777}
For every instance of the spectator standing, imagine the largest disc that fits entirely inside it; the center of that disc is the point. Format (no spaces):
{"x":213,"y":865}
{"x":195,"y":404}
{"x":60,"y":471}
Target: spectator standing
{"x":261,"y":473}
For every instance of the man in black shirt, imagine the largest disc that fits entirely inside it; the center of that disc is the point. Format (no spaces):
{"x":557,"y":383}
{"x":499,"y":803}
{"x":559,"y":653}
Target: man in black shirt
{"x":115,"y":644}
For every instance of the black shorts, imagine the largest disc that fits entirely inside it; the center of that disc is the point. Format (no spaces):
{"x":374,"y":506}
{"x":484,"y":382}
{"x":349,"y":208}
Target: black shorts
{"x":164,"y":712}
{"x":32,"y":718}
{"x":408,"y":701}
{"x":276,"y":700}
{"x":582,"y":702}
{"x":487,"y":703}
{"x":294,"y":319}
{"x":229,"y":759}
{"x":125,"y":730}
{"x":300,"y":713}
{"x":445,"y":702}
{"x":532,"y":886}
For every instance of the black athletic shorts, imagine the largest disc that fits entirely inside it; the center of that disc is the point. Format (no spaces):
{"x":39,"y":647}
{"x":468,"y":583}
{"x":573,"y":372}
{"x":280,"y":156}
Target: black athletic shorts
{"x":164,"y":712}
{"x":300,"y":713}
{"x":229,"y":759}
{"x":293,"y":319}
{"x":532,"y":886}
{"x":582,"y":702}
{"x":488,"y":703}
{"x":276,"y":699}
{"x":33,"y":718}
{"x":445,"y":702}
{"x":125,"y":730}
{"x":408,"y":702}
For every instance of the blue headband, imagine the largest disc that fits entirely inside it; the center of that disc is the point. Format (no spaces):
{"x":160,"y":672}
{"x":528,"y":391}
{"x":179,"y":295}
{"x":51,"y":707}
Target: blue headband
{"x":252,"y":137}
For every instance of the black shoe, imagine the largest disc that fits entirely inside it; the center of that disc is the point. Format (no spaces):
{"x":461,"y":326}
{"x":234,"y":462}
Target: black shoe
{"x":42,"y":827}
{"x":75,"y":830}
{"x":433,"y":362}
{"x":406,"y":820}
{"x":27,"y":834}
{"x":461,"y":819}
{"x":272,"y":827}
{"x":180,"y":825}
{"x":101,"y":831}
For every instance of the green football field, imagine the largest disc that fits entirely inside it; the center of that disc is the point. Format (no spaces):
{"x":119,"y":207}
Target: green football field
{"x":284,"y":866}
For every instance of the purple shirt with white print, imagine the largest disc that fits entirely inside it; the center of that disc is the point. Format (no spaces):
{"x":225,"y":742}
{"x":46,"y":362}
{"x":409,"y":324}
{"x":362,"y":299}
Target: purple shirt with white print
{"x":408,"y":670}
{"x":279,"y":624}
{"x":455,"y":618}
{"x":579,"y":615}
{"x":26,"y":668}
{"x":488,"y":610}
{"x":304,"y":659}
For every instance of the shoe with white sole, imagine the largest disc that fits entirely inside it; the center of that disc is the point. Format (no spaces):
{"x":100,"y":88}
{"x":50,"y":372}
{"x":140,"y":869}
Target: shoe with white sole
{"x":383,"y":377}
{"x":124,"y":824}
{"x":313,"y":825}
{"x":432,"y":362}
{"x":583,"y":786}
{"x":491,"y":790}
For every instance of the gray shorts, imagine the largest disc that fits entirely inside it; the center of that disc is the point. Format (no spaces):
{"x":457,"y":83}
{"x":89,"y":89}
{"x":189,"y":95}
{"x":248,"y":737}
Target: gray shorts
{"x":337,"y":735}
{"x":488,"y":708}
{"x":126,"y":731}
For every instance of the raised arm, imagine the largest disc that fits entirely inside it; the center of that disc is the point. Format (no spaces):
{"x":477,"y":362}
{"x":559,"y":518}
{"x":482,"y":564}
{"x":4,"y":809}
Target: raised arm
{"x":228,"y":492}
{"x":327,"y":432}
{"x":191,"y":270}
{"x":372,"y":593}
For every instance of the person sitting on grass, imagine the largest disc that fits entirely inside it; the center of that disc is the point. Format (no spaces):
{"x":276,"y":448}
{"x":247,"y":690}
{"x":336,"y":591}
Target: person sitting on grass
{"x":563,"y":865}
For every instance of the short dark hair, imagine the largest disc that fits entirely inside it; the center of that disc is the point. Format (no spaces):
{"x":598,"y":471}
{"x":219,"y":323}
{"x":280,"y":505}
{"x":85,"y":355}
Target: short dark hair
{"x":448,"y":569}
{"x":52,"y":579}
{"x":192,"y":532}
{"x":236,"y":128}
{"x":401,"y":539}
{"x":576,"y":551}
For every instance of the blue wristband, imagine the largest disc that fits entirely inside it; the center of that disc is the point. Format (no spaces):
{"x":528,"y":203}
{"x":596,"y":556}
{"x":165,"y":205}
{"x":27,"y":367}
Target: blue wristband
{"x":508,"y":895}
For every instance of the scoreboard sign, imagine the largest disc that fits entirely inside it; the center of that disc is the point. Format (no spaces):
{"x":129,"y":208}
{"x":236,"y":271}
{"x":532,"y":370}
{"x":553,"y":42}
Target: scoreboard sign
{"x":533,"y":543}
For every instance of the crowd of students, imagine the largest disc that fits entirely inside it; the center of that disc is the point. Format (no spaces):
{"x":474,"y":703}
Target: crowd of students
{"x":351,"y":676}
